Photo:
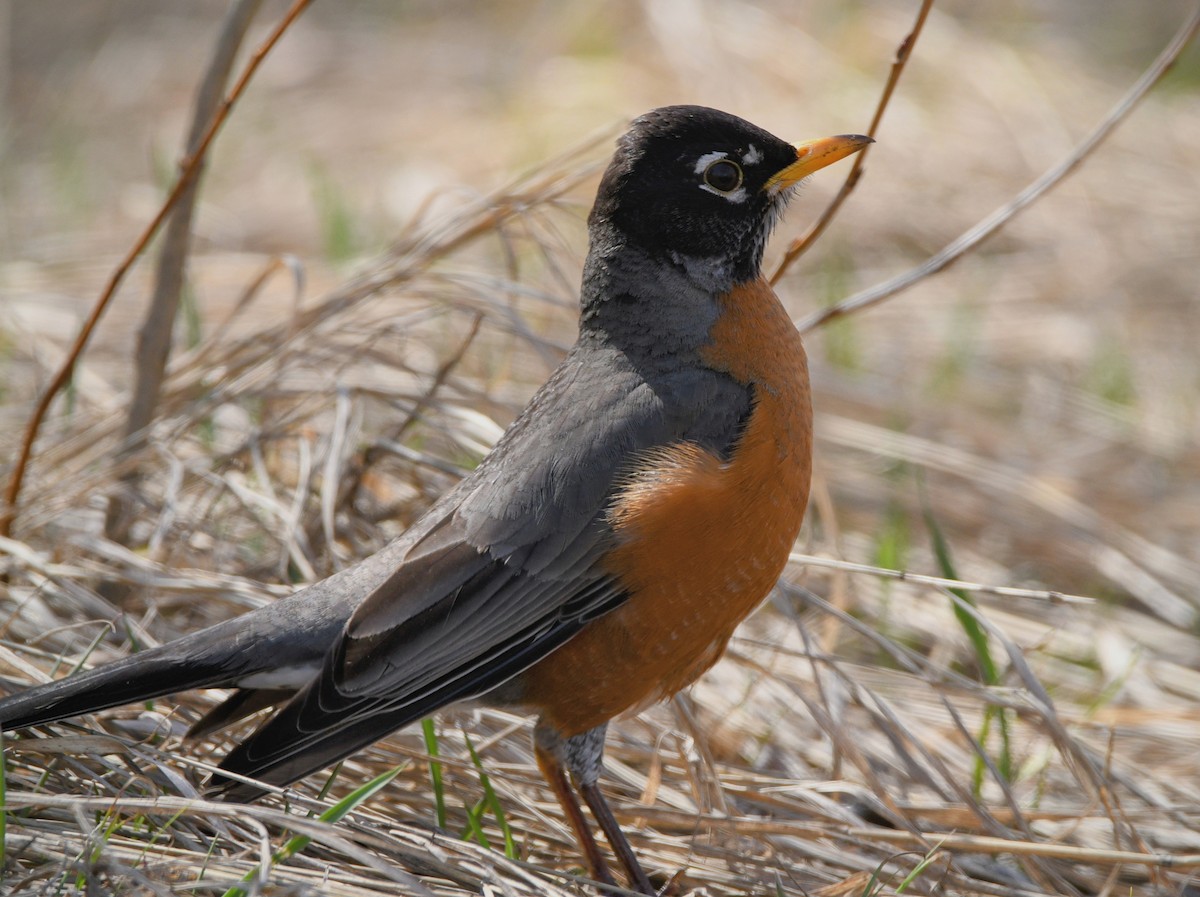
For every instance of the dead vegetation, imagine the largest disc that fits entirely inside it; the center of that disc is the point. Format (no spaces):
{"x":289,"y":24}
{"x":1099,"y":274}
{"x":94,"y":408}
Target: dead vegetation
{"x":1035,"y":407}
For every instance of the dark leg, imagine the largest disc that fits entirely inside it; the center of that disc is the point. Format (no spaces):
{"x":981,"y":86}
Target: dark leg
{"x":553,"y":772}
{"x":582,"y":755}
{"x":616,"y":838}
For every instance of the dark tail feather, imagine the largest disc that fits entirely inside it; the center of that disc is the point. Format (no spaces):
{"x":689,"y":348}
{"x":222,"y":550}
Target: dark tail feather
{"x":241,"y":704}
{"x":279,"y":646}
{"x":325,"y":752}
{"x":150,"y":674}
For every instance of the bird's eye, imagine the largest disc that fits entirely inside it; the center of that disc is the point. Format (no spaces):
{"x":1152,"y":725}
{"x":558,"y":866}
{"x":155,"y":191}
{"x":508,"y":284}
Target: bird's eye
{"x":723,"y":175}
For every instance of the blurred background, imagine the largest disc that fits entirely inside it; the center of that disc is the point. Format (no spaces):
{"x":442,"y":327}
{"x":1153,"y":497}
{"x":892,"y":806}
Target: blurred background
{"x":1065,"y":348}
{"x":1041,"y":398}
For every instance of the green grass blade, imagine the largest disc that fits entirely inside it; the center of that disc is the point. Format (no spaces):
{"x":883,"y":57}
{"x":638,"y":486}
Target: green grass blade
{"x":492,"y":801}
{"x":297,"y":843}
{"x":435,"y":772}
{"x":918,"y":869}
{"x":92,"y":646}
{"x":975,"y":633}
{"x":979,"y":643}
{"x":474,"y":830}
{"x":329,"y":782}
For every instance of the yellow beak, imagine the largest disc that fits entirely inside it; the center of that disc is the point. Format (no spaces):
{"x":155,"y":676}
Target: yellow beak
{"x":813,"y":155}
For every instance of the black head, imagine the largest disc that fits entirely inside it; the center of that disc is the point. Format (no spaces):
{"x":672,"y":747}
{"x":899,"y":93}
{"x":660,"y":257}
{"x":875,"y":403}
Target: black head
{"x":689,"y":183}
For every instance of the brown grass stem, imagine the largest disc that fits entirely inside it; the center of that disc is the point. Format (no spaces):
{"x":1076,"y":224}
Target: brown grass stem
{"x":801,"y":244}
{"x":188,"y":169}
{"x":154,"y":339}
{"x":1027,"y":197}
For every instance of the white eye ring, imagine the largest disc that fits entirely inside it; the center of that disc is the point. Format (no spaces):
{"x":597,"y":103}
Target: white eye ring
{"x":723,"y":175}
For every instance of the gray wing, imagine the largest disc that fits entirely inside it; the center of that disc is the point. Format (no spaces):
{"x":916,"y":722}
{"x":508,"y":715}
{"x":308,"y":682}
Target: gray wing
{"x":501,"y":572}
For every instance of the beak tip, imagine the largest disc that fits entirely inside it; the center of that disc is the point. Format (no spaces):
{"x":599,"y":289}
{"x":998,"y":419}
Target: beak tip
{"x":814,"y":155}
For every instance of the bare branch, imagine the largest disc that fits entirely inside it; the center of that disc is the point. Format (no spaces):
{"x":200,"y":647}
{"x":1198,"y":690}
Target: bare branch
{"x":800,"y":245}
{"x":188,"y":170}
{"x":808,"y":560}
{"x":154,"y":340}
{"x":1027,"y":197}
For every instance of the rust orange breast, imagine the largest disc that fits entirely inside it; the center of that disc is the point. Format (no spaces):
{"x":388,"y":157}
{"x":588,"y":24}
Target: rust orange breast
{"x":701,"y":540}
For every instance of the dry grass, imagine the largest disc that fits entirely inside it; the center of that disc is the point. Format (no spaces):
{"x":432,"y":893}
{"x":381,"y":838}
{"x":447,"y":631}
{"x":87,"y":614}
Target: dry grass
{"x":1039,"y":398}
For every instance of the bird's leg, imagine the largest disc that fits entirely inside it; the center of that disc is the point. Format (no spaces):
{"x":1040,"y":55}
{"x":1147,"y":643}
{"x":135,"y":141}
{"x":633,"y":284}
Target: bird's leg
{"x":616,"y":838}
{"x":556,"y":776}
{"x":582,"y":755}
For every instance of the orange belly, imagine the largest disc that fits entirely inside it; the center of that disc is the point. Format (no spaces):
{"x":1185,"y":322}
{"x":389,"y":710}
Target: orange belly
{"x":701,"y":541}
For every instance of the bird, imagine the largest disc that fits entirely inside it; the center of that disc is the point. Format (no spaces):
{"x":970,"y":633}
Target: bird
{"x":599,"y":558}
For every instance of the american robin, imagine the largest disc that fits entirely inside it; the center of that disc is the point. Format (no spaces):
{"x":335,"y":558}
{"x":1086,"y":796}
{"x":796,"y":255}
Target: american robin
{"x":600,"y":557}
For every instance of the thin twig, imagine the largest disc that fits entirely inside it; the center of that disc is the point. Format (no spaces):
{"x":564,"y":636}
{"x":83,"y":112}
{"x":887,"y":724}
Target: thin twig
{"x":677,"y":820}
{"x":801,"y":244}
{"x":194,"y":357}
{"x":188,"y":169}
{"x":980,"y":232}
{"x":809,"y":560}
{"x":352,"y":482}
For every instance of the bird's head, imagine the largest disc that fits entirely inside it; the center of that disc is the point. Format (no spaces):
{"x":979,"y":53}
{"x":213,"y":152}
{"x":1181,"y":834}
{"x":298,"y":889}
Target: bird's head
{"x":692,"y":184}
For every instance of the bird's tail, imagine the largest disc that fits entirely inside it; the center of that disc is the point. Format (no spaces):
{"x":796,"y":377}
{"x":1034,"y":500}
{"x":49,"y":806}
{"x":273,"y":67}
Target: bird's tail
{"x":148,"y":674}
{"x":279,"y":646}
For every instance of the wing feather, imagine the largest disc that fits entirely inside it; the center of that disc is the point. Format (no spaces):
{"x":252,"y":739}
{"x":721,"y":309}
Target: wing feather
{"x":506,"y":573}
